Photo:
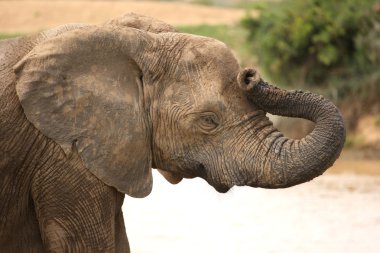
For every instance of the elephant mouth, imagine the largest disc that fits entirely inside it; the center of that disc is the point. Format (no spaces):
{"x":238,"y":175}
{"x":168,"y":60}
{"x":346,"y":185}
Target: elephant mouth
{"x":175,"y":178}
{"x":171,"y":177}
{"x":221,"y":188}
{"x":199,"y":171}
{"x":208,"y":174}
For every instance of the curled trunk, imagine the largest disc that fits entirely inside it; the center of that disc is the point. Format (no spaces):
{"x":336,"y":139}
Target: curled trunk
{"x":290,"y":161}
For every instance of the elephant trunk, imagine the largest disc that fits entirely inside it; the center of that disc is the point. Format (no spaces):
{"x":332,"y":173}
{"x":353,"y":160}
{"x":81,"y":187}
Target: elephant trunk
{"x":288,"y":161}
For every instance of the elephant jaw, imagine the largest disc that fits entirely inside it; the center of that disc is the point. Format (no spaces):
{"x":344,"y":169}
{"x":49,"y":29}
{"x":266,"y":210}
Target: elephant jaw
{"x":171,"y":177}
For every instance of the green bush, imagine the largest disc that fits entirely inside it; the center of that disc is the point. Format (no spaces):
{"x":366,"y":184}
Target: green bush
{"x":321,"y":44}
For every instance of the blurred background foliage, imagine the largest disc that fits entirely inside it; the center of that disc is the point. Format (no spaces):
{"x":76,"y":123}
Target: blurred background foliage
{"x":234,"y":36}
{"x":329,"y":46}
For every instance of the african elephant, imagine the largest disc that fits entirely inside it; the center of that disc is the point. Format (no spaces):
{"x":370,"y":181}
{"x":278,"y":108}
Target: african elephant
{"x":87,"y":111}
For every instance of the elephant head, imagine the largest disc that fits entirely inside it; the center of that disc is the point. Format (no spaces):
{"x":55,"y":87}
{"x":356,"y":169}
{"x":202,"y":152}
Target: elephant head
{"x":211,"y":122}
{"x":128,"y":99}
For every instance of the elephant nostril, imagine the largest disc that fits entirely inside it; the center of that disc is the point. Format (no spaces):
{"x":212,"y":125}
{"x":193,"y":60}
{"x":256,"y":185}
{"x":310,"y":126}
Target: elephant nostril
{"x":248,"y":78}
{"x":222,"y":189}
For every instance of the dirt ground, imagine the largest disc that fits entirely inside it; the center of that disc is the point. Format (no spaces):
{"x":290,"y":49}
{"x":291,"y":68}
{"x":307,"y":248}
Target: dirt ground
{"x":32,"y":16}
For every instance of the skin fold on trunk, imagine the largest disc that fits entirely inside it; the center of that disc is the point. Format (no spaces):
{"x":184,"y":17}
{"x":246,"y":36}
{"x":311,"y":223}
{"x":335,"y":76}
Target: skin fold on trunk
{"x":292,"y":161}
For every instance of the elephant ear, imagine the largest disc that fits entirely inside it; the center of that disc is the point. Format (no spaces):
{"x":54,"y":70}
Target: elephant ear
{"x":84,"y":91}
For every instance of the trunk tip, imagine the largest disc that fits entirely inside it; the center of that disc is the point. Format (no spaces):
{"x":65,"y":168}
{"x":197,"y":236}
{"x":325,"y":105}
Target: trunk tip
{"x":248,"y":78}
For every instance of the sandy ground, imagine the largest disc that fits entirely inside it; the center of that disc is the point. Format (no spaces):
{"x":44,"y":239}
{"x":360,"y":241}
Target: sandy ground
{"x":32,"y":16}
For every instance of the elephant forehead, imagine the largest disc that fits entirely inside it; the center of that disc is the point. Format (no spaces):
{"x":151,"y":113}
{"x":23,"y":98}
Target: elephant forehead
{"x":195,"y":90}
{"x":208,"y":76}
{"x":209,"y":55}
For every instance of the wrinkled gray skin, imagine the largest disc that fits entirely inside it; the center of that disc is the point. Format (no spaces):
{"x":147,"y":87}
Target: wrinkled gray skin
{"x":87,"y":111}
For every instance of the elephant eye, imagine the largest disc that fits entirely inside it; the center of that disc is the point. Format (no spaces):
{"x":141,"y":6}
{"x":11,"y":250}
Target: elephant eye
{"x":208,"y":121}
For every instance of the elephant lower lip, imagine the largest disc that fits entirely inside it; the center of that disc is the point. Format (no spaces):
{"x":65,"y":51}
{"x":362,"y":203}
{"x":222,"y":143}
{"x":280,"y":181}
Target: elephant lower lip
{"x":222,"y":188}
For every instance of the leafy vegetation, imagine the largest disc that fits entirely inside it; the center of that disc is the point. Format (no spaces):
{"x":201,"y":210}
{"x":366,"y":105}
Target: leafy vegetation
{"x":332,"y":46}
{"x":233,"y":36}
